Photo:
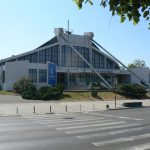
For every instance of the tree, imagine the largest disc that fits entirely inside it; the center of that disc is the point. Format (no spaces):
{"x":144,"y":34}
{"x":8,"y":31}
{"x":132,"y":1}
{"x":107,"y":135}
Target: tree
{"x":137,"y":63}
{"x":25,"y":88}
{"x":132,"y":10}
{"x":131,"y":90}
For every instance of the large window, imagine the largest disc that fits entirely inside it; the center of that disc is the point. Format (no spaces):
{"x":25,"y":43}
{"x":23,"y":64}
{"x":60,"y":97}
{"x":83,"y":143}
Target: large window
{"x":98,"y":60}
{"x":71,"y":59}
{"x":42,"y":76}
{"x":52,"y":54}
{"x":49,"y":54}
{"x":32,"y":58}
{"x":111,"y":64}
{"x":42,"y":56}
{"x":33,"y":75}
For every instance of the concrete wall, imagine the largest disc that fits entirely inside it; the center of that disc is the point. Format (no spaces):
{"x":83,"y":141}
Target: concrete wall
{"x":18,"y":69}
{"x":76,"y":40}
{"x":143,"y":73}
{"x":0,"y":75}
{"x":13,"y":72}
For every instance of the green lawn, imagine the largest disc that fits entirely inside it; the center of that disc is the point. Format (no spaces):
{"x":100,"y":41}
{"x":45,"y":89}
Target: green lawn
{"x":86,"y":96}
{"x":148,"y":94}
{"x":7,"y":93}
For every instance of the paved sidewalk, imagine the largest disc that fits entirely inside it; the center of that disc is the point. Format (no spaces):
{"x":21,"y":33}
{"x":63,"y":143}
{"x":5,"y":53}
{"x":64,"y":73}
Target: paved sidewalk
{"x":15,"y":105}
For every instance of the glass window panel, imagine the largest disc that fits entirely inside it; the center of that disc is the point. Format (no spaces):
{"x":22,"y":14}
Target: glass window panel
{"x":42,"y":76}
{"x":33,"y":75}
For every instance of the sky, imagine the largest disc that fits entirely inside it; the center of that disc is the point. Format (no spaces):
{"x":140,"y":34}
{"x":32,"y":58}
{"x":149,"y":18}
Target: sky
{"x":27,"y":24}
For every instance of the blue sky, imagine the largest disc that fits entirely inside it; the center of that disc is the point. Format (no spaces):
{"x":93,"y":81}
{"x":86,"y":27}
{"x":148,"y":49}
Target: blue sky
{"x":26,"y":24}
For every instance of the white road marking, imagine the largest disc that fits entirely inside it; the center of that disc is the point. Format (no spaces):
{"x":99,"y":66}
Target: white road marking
{"x":68,"y":121}
{"x":137,"y":119}
{"x":139,"y":147}
{"x":103,"y":128}
{"x":61,"y":119}
{"x":122,"y":117}
{"x":81,"y":123}
{"x":64,"y":122}
{"x":48,"y":118}
{"x":15,"y":124}
{"x":125,"y":139}
{"x":92,"y":125}
{"x":88,"y":136}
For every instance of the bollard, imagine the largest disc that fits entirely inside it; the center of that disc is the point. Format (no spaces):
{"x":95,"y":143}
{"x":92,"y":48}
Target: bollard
{"x":17,"y":110}
{"x":50,"y":109}
{"x":66,"y":109}
{"x":93,"y":107}
{"x":107,"y":107}
{"x":80,"y":107}
{"x":34,"y":109}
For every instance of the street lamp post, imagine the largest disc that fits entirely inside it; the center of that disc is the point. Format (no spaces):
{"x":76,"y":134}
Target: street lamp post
{"x":115,"y":83}
{"x":115,"y":99}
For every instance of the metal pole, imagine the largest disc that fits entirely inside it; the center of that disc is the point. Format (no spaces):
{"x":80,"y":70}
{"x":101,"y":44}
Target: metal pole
{"x":93,"y":107}
{"x":115,"y":99}
{"x":80,"y":107}
{"x":141,"y":80}
{"x":17,"y":111}
{"x":68,"y":78}
{"x":34,"y":109}
{"x":50,"y":109}
{"x":66,"y":109}
{"x":106,"y":83}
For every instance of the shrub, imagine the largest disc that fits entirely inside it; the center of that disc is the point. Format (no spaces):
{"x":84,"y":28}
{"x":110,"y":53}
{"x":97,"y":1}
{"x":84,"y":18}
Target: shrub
{"x":60,"y":88}
{"x":48,"y":93}
{"x":97,"y":86}
{"x":29,"y":94}
{"x":131,"y":90}
{"x":25,"y":88}
{"x":94,"y":93}
{"x":22,"y":85}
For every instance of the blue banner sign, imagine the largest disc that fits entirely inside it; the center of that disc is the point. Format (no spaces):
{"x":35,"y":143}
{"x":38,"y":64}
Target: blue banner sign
{"x":52,"y":74}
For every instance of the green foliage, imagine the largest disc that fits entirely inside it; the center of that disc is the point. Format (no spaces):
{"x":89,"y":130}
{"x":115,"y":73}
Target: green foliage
{"x":137,"y":63}
{"x":27,"y":90}
{"x":131,"y":90}
{"x":97,"y":86}
{"x":60,"y":88}
{"x":79,"y":2}
{"x":94,"y":93}
{"x":126,"y":9}
{"x":24,"y":84}
{"x":29,"y":94}
{"x":48,"y":93}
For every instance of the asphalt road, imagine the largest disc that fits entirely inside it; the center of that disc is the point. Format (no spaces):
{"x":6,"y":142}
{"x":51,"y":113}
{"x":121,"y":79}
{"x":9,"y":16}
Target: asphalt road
{"x":106,"y":130}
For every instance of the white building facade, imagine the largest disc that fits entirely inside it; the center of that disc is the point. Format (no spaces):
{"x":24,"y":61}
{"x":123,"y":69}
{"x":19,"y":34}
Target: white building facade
{"x":72,"y":71}
{"x":143,"y":72}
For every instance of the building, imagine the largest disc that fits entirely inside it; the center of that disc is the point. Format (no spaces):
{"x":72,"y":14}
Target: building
{"x":72,"y":71}
{"x":143,"y":72}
